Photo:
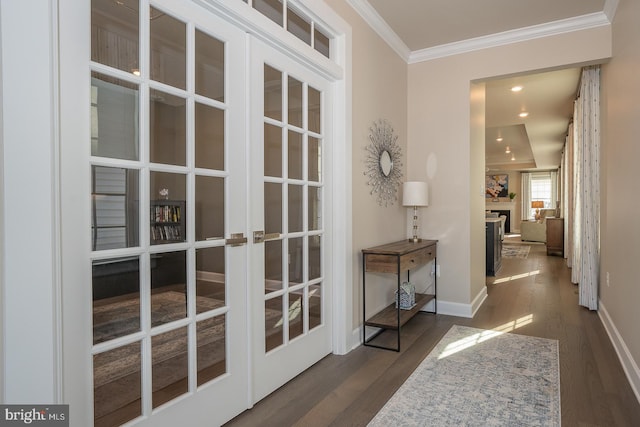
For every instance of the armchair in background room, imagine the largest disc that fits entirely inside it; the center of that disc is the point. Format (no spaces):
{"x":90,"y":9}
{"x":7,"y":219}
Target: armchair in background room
{"x":536,"y":231}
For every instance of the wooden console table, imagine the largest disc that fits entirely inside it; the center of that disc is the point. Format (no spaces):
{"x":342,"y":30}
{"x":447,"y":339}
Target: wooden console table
{"x":555,"y":236}
{"x":395,"y":258}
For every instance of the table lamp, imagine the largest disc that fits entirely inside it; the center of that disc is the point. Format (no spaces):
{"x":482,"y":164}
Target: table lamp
{"x":415,"y":193}
{"x":537,"y":205}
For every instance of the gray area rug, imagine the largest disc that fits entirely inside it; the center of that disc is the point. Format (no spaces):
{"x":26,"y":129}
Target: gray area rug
{"x":515,"y":251}
{"x":476,"y":377}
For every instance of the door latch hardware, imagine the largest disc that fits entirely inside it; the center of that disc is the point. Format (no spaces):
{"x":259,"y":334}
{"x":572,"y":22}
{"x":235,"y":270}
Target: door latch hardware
{"x":259,"y":236}
{"x":236,"y":239}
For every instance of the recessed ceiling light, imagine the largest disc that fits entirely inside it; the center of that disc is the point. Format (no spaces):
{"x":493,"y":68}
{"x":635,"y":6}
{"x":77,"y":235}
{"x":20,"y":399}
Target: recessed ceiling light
{"x":516,"y":88}
{"x":499,"y":139}
{"x":513,"y":157}
{"x":507,"y":150}
{"x":523,"y":114}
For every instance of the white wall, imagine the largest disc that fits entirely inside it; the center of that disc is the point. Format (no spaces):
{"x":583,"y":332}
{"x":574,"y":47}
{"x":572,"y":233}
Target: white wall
{"x":440,"y":128}
{"x":30,"y":280}
{"x":379,"y":92}
{"x":477,"y":247}
{"x":620,"y":233}
{"x":2,"y":246}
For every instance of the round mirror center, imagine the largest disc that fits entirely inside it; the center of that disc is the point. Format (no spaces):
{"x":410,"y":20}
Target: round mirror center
{"x":385,"y":163}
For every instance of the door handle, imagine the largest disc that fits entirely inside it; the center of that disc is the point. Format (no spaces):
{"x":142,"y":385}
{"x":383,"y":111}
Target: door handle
{"x":236,"y":239}
{"x":259,"y":236}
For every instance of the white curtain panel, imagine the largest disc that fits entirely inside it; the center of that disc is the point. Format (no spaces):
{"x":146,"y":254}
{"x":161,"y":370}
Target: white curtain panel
{"x":554,"y":188}
{"x":567,"y":212}
{"x":586,"y":162}
{"x":525,"y":190}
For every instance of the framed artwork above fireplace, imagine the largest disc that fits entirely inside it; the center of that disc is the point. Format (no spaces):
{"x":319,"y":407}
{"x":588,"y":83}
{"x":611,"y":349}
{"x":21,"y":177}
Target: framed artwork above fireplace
{"x":496,"y":186}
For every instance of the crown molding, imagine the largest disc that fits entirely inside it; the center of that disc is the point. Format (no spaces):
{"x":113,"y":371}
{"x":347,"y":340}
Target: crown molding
{"x":562,"y":26}
{"x":610,"y":7}
{"x":380,"y":26}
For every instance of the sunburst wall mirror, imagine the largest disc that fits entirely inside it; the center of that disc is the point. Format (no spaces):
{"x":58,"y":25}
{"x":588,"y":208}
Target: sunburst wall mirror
{"x":383,"y":163}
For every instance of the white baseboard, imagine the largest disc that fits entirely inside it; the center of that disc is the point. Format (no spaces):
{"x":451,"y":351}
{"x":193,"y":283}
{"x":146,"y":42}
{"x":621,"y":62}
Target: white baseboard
{"x":626,"y":359}
{"x":463,"y":310}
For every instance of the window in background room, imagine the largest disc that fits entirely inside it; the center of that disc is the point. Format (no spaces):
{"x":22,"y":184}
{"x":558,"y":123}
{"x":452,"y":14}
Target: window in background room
{"x":541,"y":190}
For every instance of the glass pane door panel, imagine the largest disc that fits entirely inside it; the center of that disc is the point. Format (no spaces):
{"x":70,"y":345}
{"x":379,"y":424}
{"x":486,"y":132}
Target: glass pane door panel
{"x":209,"y":64}
{"x":296,"y":313}
{"x":168,"y":40}
{"x":114,"y":34}
{"x":314,"y":160}
{"x":315,"y":305}
{"x":211,"y":351}
{"x":313,"y":109}
{"x":114,"y":207}
{"x":273,"y":323}
{"x":209,"y":208}
{"x":210,"y":279}
{"x":272,"y":93}
{"x":272,"y":266}
{"x":167,"y":208}
{"x":116,"y":298}
{"x":315,"y":257}
{"x":114,"y":118}
{"x":209,"y":137}
{"x":321,"y":43}
{"x":117,"y":397}
{"x":168,"y":287}
{"x":314,"y":209}
{"x":297,"y":26}
{"x":272,"y":151}
{"x":295,"y":102}
{"x":272,"y":207}
{"x":296,"y":258}
{"x":272,"y":9}
{"x":167,"y":128}
{"x":295,"y":208}
{"x":170,"y":365}
{"x":294,"y":149}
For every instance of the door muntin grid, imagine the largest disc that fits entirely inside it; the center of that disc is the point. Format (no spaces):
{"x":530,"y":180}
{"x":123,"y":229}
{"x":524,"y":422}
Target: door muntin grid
{"x":160,"y":302}
{"x":293,"y":189}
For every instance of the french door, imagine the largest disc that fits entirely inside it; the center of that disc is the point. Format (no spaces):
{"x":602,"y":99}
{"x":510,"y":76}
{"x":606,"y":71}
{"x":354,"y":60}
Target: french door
{"x":201,"y":255}
{"x":291,"y":323}
{"x":168,"y":215}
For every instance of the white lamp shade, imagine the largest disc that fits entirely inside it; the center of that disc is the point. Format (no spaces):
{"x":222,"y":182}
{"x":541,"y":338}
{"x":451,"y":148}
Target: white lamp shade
{"x":415,"y":193}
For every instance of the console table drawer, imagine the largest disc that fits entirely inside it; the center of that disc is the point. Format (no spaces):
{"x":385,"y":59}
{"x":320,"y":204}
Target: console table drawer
{"x":417,"y":258}
{"x":383,"y":263}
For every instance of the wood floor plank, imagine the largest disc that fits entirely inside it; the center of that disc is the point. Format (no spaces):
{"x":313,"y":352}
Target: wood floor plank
{"x":532,"y":296}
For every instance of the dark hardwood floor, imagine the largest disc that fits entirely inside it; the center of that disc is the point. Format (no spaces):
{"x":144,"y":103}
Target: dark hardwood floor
{"x":532,"y":296}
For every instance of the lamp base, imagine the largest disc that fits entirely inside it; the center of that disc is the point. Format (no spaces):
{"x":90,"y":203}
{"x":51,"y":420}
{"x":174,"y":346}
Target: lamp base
{"x":414,"y":240}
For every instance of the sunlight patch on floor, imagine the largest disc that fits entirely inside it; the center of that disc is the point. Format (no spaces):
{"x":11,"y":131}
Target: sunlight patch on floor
{"x":516,"y":277}
{"x":474,"y":339}
{"x":515,"y":324}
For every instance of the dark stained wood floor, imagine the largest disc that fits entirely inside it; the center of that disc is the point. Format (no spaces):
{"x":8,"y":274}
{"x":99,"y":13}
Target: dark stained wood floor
{"x":349,"y":390}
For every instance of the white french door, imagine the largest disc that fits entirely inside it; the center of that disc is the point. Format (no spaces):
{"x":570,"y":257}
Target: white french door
{"x":290,"y":293}
{"x":182,"y":136}
{"x":168,"y":215}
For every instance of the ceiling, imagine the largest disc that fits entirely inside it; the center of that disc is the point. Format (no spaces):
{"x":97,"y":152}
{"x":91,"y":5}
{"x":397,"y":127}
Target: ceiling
{"x":424,"y":29}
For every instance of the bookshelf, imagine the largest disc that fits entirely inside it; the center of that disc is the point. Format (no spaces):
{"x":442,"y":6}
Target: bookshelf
{"x":167,"y":221}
